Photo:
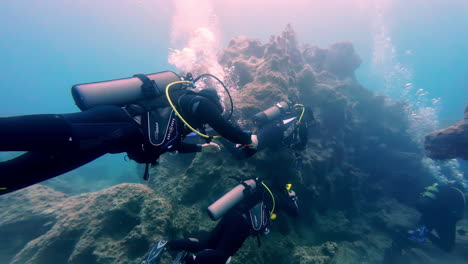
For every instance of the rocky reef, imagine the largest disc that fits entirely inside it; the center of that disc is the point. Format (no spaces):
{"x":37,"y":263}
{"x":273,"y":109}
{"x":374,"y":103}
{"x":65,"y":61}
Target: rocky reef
{"x":450,"y":142}
{"x":362,"y":173}
{"x":116,"y":225}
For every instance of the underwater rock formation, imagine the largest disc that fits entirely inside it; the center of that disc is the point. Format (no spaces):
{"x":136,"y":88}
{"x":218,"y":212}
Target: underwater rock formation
{"x":450,"y":142}
{"x":39,"y":225}
{"x":361,"y":174}
{"x":355,"y":163}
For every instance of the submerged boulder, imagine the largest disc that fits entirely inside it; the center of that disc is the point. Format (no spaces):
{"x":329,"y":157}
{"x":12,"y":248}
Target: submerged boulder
{"x":342,"y":60}
{"x":450,"y":142}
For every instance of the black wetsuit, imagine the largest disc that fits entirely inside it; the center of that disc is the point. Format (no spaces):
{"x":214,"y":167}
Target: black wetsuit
{"x":442,"y":214}
{"x":234,"y":228}
{"x":276,"y":134}
{"x":60,"y":143}
{"x":439,"y":214}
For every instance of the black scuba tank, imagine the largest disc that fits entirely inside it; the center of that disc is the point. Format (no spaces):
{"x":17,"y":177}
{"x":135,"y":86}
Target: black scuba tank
{"x":271,"y":113}
{"x":125,"y":91}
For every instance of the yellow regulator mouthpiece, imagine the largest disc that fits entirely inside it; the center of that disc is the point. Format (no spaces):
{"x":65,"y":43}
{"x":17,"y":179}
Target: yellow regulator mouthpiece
{"x":288,"y":187}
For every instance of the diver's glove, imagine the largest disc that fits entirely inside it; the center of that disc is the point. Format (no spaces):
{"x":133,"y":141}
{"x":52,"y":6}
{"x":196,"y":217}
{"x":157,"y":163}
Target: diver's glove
{"x":292,"y":195}
{"x":253,"y":144}
{"x":210,"y":147}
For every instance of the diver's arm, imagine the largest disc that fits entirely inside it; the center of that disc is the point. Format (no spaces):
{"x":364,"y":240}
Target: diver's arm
{"x":208,"y":114}
{"x":207,"y":147}
{"x":288,"y":203}
{"x":189,"y":148}
{"x":303,"y":137}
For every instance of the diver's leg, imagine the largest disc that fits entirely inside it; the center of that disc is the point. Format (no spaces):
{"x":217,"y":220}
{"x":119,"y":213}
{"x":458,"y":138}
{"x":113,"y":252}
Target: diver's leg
{"x":68,"y":142}
{"x":108,"y":127}
{"x":34,"y":167}
{"x":236,"y":230}
{"x":400,"y":243}
{"x":217,"y":233}
{"x":34,"y":133}
{"x":209,"y":256}
{"x":225,"y":240}
{"x":195,"y":245}
{"x":445,"y":238}
{"x":189,"y":244}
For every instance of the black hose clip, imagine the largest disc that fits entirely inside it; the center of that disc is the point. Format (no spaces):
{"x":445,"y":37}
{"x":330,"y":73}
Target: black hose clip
{"x":188,"y":77}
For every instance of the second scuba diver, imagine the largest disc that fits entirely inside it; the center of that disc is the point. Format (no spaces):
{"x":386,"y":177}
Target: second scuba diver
{"x":247,"y":210}
{"x":441,"y":207}
{"x":128,"y":115}
{"x":282,"y":125}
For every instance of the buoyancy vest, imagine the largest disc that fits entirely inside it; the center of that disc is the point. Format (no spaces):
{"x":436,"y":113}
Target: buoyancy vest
{"x":259,"y":218}
{"x":163,"y":131}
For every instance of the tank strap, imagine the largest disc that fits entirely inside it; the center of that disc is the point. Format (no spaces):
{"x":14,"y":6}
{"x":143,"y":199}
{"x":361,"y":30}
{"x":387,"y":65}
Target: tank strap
{"x":247,"y":189}
{"x":149,"y":88}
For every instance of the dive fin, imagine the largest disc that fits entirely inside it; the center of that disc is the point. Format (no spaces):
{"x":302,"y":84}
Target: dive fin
{"x":180,"y":257}
{"x":156,"y":252}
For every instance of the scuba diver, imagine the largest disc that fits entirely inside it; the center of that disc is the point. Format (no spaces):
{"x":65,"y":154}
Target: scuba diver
{"x":246,"y":210}
{"x":145,"y":116}
{"x":441,"y":207}
{"x":282,"y":125}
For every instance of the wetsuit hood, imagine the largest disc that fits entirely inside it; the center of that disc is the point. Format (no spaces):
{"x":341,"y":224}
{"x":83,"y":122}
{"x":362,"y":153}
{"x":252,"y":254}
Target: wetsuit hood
{"x":212,"y":95}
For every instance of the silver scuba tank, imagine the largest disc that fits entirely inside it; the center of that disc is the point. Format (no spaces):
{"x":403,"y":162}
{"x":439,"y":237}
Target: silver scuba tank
{"x":229,"y":200}
{"x":123,"y":91}
{"x":271,"y":113}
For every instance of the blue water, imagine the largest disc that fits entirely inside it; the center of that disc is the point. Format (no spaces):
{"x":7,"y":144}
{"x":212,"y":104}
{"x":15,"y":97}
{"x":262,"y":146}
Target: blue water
{"x":436,"y":33}
{"x":48,"y":46}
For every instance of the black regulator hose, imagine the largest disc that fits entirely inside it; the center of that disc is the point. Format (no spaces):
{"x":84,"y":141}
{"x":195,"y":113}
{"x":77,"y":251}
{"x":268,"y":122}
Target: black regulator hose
{"x":224,"y":86}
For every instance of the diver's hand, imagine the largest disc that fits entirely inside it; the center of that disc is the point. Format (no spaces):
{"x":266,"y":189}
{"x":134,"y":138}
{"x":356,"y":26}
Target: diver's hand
{"x":253,"y":144}
{"x":210,"y":147}
{"x":292,"y":195}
